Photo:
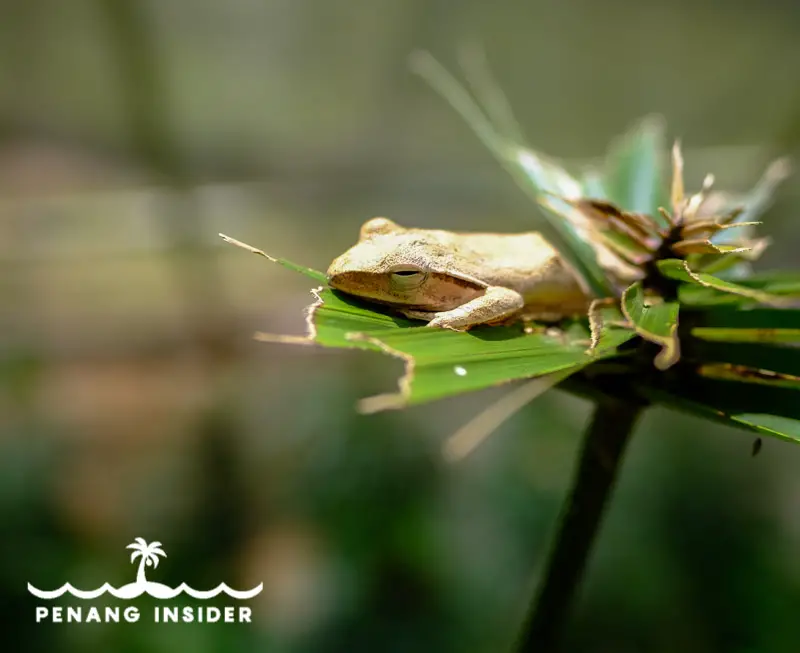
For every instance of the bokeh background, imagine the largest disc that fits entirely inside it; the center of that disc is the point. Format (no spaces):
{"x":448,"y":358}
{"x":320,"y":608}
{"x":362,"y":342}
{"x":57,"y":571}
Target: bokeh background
{"x":133,"y":401}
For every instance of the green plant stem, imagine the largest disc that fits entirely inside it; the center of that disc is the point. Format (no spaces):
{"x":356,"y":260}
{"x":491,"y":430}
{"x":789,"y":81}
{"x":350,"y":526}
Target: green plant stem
{"x":603,"y":447}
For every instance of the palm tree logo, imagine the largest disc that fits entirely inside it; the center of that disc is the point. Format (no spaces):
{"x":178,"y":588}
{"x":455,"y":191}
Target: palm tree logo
{"x":148,"y":554}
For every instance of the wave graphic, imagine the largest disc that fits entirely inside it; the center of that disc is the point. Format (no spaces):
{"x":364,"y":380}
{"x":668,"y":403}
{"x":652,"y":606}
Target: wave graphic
{"x":156,"y":590}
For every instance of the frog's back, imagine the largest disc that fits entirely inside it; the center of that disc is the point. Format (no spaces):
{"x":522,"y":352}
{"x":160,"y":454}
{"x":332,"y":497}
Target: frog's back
{"x":524,"y":262}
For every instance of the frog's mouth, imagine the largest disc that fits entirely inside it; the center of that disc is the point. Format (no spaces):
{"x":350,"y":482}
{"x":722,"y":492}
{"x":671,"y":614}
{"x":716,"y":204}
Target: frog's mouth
{"x":358,"y":284}
{"x":438,"y":292}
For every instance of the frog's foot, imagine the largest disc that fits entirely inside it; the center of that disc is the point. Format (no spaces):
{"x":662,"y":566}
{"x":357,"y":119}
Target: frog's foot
{"x":444,"y":324}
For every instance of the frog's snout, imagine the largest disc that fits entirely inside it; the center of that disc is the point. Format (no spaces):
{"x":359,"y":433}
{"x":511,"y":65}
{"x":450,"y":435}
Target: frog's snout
{"x":336,"y":268}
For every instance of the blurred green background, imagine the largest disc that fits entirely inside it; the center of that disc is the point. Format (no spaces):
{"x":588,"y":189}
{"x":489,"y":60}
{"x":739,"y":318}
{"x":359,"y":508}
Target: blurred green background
{"x":133,"y":401}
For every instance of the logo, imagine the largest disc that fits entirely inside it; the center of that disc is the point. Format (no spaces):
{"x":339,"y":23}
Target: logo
{"x":149,"y":556}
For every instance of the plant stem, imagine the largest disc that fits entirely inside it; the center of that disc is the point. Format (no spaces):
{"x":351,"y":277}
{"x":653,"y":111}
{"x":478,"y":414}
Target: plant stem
{"x":604,"y":444}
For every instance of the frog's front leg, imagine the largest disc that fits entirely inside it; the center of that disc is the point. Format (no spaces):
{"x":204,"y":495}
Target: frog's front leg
{"x":495,"y":305}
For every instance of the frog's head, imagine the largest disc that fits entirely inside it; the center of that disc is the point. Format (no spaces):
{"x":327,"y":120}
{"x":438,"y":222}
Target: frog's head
{"x":401,"y":267}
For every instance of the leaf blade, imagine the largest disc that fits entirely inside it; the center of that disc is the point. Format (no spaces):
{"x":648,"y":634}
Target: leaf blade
{"x":782,"y":428}
{"x":634,"y":168}
{"x":656,"y":321}
{"x":679,"y":270}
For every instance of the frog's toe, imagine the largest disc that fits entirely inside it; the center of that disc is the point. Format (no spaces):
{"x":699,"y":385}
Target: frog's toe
{"x":447,"y":322}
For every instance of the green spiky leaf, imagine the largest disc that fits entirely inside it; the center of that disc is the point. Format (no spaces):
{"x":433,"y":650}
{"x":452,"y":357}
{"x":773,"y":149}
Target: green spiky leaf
{"x":758,"y":338}
{"x":441,"y":362}
{"x":679,"y":271}
{"x":655,"y":320}
{"x":782,"y":428}
{"x":633,"y":169}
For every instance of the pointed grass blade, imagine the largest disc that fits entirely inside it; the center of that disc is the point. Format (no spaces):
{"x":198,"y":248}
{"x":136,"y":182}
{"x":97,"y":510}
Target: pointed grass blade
{"x":634,"y":169}
{"x":755,"y":335}
{"x":679,"y":270}
{"x":313,"y":274}
{"x":747,"y":374}
{"x":761,"y":338}
{"x":782,"y":428}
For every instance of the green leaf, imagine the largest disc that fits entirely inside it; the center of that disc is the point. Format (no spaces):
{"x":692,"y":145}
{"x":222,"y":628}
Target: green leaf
{"x":335,"y":316}
{"x":766,"y":326}
{"x":783,"y":428}
{"x":679,"y":270}
{"x":760,"y":334}
{"x":753,"y":338}
{"x":754,"y":318}
{"x":778,"y":283}
{"x":748,"y":374}
{"x":734,"y":397}
{"x":655,"y":320}
{"x":775,"y":282}
{"x":633,"y":169}
{"x":691,"y":295}
{"x":784,"y":360}
{"x":731,"y":265}
{"x":441,"y":362}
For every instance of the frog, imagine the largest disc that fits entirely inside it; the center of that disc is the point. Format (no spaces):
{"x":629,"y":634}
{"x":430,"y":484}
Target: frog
{"x":459,"y":280}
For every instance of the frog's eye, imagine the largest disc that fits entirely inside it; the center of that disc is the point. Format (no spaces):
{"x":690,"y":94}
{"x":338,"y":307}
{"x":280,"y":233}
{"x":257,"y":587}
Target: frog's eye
{"x":407,"y":277}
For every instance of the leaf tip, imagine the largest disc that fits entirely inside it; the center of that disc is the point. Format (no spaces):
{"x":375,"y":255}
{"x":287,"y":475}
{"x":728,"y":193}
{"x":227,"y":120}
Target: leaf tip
{"x":669,"y":355}
{"x":779,"y":170}
{"x":677,"y":178}
{"x":261,"y":336}
{"x":245,"y":246}
{"x":378,"y":403}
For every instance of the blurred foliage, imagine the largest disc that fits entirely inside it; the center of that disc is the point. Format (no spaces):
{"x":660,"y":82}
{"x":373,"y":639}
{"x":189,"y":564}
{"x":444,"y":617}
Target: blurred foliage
{"x":132,"y":402}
